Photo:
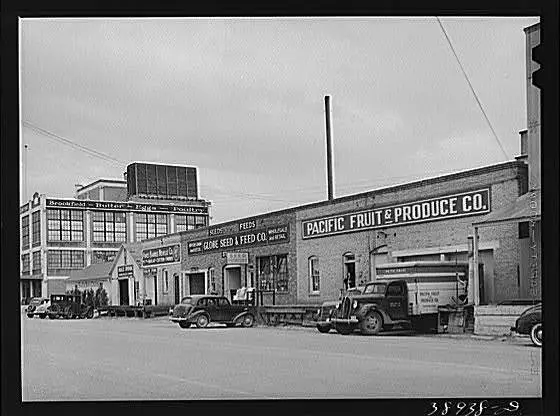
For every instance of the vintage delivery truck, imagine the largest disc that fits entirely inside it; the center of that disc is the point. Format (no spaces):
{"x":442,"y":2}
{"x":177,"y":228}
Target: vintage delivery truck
{"x":407,"y":295}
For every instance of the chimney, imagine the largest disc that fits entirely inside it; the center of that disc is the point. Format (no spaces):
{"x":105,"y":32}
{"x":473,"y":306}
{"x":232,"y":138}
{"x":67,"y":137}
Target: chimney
{"x":329,"y":147}
{"x":523,"y":157}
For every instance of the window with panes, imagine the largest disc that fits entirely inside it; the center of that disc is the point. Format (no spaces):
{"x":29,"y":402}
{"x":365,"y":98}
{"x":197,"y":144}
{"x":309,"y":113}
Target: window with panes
{"x":109,"y":226}
{"x":189,"y":222}
{"x":272,"y":272}
{"x":36,"y":262}
{"x":36,"y":228}
{"x":65,"y":259}
{"x":314,"y":279}
{"x":25,"y":232}
{"x":65,"y":225}
{"x":150,"y":225}
{"x":98,"y":256}
{"x":25,"y":264}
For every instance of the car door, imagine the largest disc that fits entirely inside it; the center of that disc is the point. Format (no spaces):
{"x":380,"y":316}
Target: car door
{"x":212,"y":309}
{"x":396,"y":300}
{"x":227,"y":311}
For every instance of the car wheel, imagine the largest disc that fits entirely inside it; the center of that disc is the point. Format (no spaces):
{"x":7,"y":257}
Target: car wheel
{"x":202,"y":321}
{"x":536,"y":334}
{"x":343,"y":329}
{"x":184,"y":325}
{"x":89,"y":313}
{"x":30,"y":315}
{"x":43,"y":315}
{"x":323,"y":329}
{"x":372,"y":323}
{"x":248,"y":321}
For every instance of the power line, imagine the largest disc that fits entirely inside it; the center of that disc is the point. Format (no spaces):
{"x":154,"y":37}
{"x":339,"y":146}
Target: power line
{"x":68,"y":142}
{"x":471,"y":87}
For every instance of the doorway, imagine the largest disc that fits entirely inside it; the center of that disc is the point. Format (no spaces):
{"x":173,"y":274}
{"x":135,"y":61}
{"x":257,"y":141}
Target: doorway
{"x":232,"y":280}
{"x":123,"y":291}
{"x":176,"y":287}
{"x":349,"y":270}
{"x":196,"y":284}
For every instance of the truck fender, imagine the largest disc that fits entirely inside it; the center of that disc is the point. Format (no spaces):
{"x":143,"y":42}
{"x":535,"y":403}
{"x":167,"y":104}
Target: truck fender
{"x":241,"y":315}
{"x":372,"y":307}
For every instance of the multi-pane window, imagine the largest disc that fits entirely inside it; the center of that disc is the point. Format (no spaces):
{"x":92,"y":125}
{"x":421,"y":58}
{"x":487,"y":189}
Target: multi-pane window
{"x":36,"y":228}
{"x":165,"y":276}
{"x":150,"y":225}
{"x":314,"y":279}
{"x":65,"y":225}
{"x":189,"y":222}
{"x":65,"y":259}
{"x":273,"y":272}
{"x":109,"y":226}
{"x":102,"y":256}
{"x":25,"y":232}
{"x":36,"y":262}
{"x":25,"y":264}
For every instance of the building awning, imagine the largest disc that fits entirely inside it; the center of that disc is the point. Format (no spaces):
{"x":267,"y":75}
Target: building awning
{"x":525,"y":208}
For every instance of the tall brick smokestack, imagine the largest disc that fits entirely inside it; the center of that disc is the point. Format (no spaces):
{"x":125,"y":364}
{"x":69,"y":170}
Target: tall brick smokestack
{"x":330,"y":180}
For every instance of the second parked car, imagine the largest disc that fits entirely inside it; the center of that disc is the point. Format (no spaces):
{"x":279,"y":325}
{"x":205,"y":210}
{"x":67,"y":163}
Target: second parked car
{"x":203,"y":309}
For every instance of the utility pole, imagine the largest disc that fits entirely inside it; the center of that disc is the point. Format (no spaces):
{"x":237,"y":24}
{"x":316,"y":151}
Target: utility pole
{"x":329,"y":147}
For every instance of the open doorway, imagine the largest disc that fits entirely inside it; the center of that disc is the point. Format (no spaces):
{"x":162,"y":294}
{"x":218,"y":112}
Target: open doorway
{"x":123,"y":292}
{"x":232,"y":280}
{"x":349,"y":270}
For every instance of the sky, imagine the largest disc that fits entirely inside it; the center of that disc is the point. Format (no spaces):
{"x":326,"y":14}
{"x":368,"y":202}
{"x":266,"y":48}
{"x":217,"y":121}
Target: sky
{"x":243,"y":100}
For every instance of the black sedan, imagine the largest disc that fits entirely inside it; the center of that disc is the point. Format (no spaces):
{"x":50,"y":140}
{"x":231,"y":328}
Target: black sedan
{"x":530,"y":323}
{"x":203,"y":309}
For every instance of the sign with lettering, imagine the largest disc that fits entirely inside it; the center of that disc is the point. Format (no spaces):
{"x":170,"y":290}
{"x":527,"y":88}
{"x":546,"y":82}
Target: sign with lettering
{"x":445,"y":207}
{"x":125,"y":271}
{"x":124,"y":206}
{"x":161,"y":255}
{"x":216,"y":231}
{"x":247,"y":225}
{"x":271,"y":235}
{"x":236,"y":258}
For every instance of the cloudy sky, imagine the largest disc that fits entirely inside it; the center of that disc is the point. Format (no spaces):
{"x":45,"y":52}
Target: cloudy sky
{"x":243,"y":99}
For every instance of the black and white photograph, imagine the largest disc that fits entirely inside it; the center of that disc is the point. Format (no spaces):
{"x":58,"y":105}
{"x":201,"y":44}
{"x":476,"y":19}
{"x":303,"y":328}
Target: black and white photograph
{"x":263,"y":208}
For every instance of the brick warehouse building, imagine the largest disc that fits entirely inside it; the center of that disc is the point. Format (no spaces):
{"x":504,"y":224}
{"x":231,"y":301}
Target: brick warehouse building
{"x":61,"y":235}
{"x":303,"y":254}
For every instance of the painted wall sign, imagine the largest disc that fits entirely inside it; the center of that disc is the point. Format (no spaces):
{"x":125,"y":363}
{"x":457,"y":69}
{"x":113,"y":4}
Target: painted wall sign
{"x":247,"y":225}
{"x":271,"y":235}
{"x":216,"y":231}
{"x":125,"y":271}
{"x":445,"y":207}
{"x":124,"y":206}
{"x":236,"y":258}
{"x":161,"y":255}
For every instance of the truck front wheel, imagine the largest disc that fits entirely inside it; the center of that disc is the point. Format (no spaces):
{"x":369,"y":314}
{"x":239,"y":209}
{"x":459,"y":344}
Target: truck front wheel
{"x":372,"y":323}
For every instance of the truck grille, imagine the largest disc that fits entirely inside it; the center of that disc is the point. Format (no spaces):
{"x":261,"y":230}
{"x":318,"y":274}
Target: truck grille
{"x":344,"y":309}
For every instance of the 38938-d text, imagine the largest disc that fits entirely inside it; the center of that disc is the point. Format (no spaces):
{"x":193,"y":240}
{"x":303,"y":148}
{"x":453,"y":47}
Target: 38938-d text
{"x":474,"y":408}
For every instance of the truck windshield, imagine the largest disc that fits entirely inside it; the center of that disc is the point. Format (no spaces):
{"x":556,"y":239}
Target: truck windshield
{"x":377,"y":289}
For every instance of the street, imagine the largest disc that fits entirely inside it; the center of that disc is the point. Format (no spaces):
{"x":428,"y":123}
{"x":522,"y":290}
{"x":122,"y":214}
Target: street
{"x":135,"y":359}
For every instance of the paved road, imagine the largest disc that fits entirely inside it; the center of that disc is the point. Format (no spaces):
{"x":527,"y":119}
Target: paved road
{"x":135,"y":359}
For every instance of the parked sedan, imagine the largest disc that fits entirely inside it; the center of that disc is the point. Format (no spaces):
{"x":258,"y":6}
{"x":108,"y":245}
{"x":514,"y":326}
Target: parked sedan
{"x":530,"y":323}
{"x":37,"y":306}
{"x":203,"y":309}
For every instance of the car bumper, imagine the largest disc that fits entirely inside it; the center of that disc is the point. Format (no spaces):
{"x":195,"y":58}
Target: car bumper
{"x":349,"y":321}
{"x":177,"y":319}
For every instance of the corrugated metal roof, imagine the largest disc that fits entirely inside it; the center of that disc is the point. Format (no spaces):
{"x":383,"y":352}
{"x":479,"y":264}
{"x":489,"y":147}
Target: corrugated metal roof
{"x":93,"y":271}
{"x":526,"y":207}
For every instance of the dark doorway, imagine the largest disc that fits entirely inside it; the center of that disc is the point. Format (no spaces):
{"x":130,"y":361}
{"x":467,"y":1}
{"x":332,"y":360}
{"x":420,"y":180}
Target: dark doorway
{"x":177,"y":294}
{"x":196,"y":284}
{"x":155,"y":289}
{"x":123,"y":291}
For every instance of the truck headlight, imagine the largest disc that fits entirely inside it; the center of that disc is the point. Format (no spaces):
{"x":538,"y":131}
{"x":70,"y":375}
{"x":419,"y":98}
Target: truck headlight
{"x":354,"y":304}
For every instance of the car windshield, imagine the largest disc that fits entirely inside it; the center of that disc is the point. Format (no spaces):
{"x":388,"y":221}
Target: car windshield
{"x":377,"y":289}
{"x":186,"y":301}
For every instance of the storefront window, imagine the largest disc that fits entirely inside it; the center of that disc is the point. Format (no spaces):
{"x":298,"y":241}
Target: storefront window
{"x":65,"y":225}
{"x":25,"y":232}
{"x":25,"y":264}
{"x":36,"y":228}
{"x":36,"y":262}
{"x":64,"y":259}
{"x":273,"y":272}
{"x":150,"y":225}
{"x":165,"y":275}
{"x":109,"y":226}
{"x":314,"y":279}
